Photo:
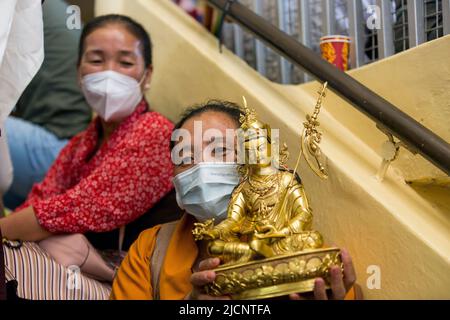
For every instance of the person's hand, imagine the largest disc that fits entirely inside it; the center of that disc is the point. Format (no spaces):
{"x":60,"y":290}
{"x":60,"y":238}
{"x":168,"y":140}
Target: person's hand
{"x":267,"y":232}
{"x":265,"y":228}
{"x":341,"y":282}
{"x":202,"y":277}
{"x":269,"y":235}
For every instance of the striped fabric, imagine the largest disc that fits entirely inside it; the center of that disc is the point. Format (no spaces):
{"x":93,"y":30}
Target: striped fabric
{"x":2,"y":273}
{"x":39,"y":277}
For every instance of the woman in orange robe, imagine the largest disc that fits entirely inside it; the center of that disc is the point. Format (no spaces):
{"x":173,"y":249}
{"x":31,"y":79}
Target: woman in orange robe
{"x":164,"y":262}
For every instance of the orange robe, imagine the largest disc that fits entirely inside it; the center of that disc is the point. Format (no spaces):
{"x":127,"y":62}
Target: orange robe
{"x":133,"y":280}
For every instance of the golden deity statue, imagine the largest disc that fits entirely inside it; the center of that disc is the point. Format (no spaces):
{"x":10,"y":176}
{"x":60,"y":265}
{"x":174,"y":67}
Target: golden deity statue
{"x":258,"y":226}
{"x":269,"y":222}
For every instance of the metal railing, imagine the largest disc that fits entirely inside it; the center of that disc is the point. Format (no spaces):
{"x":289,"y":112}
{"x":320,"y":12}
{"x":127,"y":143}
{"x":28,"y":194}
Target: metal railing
{"x":386,"y":115}
{"x":397,"y":26}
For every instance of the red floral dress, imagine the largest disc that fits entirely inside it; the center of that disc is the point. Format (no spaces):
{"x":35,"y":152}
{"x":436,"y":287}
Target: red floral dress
{"x":100,"y":192}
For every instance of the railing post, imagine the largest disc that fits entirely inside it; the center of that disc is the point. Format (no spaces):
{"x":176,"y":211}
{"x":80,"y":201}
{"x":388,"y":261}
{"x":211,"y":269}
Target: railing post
{"x":284,"y":26}
{"x":328,"y":17}
{"x":356,"y":32}
{"x":385,"y":35}
{"x":416,"y":22}
{"x":238,"y":41}
{"x":305,"y":30}
{"x":260,"y":49}
{"x":446,"y":16}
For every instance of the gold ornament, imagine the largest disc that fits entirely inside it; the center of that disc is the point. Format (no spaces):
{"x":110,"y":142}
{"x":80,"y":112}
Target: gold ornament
{"x":311,"y":138}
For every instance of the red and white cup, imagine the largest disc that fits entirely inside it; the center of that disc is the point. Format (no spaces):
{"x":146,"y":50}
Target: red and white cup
{"x":336,"y":50}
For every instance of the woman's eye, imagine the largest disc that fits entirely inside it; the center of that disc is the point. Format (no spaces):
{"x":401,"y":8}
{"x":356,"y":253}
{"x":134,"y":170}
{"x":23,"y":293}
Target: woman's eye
{"x":222,"y":153}
{"x":127,"y":64}
{"x":95,"y":61}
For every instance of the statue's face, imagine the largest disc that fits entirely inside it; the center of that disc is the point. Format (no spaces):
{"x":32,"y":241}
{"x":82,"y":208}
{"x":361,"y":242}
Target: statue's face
{"x":258,"y":151}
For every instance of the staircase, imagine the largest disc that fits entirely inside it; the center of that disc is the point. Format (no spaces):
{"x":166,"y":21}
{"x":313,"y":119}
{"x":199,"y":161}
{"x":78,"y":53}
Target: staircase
{"x":400,"y":225}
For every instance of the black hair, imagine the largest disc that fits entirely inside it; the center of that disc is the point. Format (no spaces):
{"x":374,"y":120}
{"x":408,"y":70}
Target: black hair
{"x":231,"y":109}
{"x":132,"y":26}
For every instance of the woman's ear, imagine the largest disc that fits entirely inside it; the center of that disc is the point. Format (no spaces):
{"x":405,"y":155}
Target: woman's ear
{"x":79,"y":77}
{"x":148,"y":78}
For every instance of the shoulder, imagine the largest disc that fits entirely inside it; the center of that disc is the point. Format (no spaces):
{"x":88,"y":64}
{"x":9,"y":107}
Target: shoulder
{"x":147,"y":236}
{"x":237,"y":190}
{"x":287,"y":176}
{"x":149,"y":133}
{"x":144,"y":244}
{"x":151,"y":121}
{"x":146,"y":241}
{"x":77,"y":143}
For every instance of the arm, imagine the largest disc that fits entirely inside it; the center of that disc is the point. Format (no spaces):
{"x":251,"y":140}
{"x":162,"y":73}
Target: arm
{"x":127,"y":183}
{"x":57,"y":180}
{"x":297,"y":205}
{"x":302,"y":215}
{"x":23,"y":226}
{"x":6,"y":168}
{"x":228,"y":227}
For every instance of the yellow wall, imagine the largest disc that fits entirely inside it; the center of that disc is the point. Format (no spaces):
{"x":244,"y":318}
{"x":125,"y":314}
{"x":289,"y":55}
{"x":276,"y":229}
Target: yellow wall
{"x":382,"y":223}
{"x":416,"y":81}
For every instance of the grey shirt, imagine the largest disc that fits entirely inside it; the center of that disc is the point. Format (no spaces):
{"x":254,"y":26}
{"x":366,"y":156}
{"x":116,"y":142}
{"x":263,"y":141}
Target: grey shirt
{"x":53,"y":99}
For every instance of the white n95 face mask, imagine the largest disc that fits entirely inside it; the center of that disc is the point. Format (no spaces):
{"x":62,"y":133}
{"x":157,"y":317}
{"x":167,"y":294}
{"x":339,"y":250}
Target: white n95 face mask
{"x":112,"y":95}
{"x":204,"y":191}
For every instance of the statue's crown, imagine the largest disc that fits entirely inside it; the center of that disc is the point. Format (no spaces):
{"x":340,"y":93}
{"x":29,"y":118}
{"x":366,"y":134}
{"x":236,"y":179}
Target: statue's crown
{"x":251,"y":125}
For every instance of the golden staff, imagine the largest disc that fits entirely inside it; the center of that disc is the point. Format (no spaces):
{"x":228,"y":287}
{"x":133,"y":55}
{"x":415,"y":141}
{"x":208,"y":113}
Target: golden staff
{"x":310,"y":140}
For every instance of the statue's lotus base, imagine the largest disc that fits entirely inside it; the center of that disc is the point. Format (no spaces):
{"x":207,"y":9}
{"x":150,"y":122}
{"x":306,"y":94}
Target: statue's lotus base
{"x":274,"y":277}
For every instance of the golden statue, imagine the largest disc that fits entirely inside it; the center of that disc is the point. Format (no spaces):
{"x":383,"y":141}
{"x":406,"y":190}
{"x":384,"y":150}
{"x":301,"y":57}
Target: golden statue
{"x":269,"y":222}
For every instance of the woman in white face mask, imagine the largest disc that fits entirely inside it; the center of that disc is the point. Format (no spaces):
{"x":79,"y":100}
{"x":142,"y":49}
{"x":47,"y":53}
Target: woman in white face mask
{"x":120,"y":167}
{"x":165,"y":261}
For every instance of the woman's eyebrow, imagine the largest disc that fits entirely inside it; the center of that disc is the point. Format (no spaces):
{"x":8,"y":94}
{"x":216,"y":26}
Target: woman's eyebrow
{"x":94,"y":51}
{"x":127,"y":53}
{"x":219,"y":141}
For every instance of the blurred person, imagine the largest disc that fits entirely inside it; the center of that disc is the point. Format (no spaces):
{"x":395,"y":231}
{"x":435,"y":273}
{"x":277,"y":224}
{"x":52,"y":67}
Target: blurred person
{"x":50,"y":111}
{"x":106,"y":176}
{"x":20,"y":20}
{"x":111,"y":173}
{"x":6,"y":170}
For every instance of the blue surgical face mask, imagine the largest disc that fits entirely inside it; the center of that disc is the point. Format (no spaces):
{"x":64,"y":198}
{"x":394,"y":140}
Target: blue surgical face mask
{"x":204,"y":191}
